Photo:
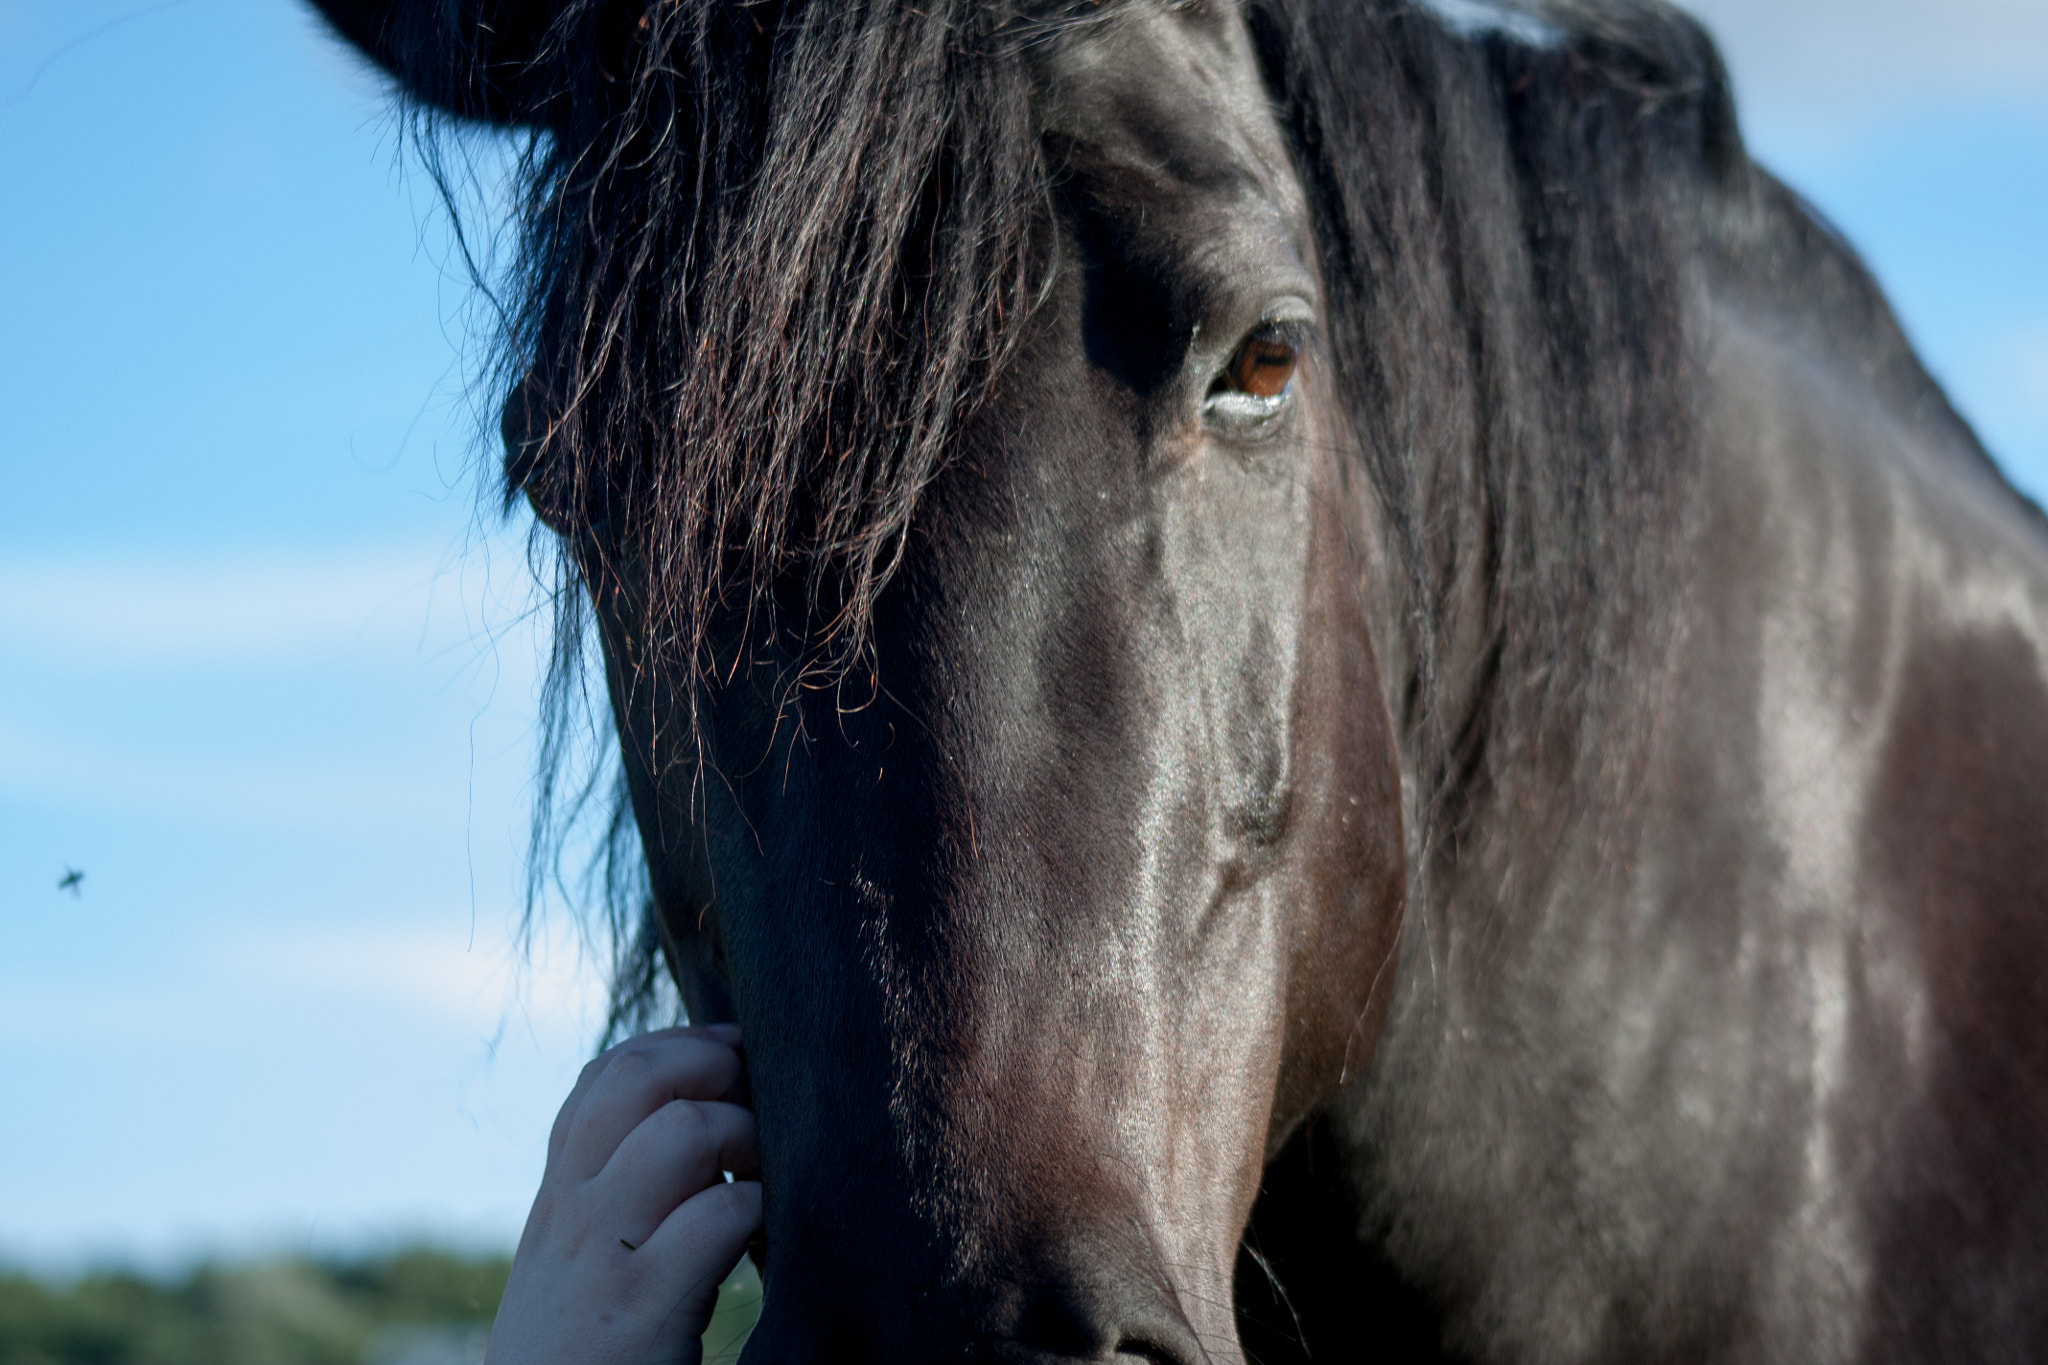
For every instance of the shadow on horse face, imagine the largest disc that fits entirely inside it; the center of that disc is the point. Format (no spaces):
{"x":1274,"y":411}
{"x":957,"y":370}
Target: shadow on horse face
{"x":1046,"y":933}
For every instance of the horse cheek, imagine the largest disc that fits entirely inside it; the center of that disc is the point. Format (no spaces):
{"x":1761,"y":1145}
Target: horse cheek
{"x":1347,"y":873}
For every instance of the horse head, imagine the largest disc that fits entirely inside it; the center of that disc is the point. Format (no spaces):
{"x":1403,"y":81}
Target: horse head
{"x":985,"y":593}
{"x":1106,"y":517}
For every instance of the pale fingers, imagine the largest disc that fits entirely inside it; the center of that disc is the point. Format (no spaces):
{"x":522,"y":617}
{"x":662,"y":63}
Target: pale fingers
{"x":637,"y":1150}
{"x":680,"y":1149}
{"x":702,"y":1239}
{"x":728,"y":1034}
{"x":634,"y":1080}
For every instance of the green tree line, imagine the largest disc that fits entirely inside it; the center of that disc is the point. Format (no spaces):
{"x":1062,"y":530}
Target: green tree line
{"x":415,"y":1307}
{"x":421,"y":1306}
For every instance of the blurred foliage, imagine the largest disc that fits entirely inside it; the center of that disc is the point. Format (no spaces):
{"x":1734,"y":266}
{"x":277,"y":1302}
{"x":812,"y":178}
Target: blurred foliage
{"x":282,"y":1312}
{"x":414,"y":1307}
{"x":732,"y":1322}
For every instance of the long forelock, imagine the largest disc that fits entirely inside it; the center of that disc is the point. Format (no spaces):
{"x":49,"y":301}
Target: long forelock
{"x":773,"y":256}
{"x":768,"y":271}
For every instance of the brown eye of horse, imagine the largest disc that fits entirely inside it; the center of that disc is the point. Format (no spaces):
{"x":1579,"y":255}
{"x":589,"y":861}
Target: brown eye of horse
{"x":1264,"y":366}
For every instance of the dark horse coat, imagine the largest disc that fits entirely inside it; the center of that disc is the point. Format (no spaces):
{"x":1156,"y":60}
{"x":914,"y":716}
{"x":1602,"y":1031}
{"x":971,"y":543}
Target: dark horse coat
{"x":1322,"y":683}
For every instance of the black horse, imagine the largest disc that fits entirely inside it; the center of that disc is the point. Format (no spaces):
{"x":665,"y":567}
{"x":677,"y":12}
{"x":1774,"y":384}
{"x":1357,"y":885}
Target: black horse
{"x":1323,"y":683}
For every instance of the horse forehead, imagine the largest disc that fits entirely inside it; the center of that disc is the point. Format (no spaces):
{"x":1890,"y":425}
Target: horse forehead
{"x":1170,"y":101}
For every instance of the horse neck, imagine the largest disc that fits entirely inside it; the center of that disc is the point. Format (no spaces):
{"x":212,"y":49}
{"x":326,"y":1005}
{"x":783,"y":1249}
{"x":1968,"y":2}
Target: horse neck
{"x":1521,"y":231}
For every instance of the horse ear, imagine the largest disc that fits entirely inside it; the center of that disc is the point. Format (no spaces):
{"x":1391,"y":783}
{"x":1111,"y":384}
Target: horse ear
{"x":494,"y":60}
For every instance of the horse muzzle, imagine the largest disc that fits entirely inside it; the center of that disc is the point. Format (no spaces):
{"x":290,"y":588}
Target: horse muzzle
{"x":1087,"y":1312}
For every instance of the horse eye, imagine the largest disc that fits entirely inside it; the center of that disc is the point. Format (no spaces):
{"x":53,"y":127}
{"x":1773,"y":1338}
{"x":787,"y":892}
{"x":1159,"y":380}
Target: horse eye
{"x":1264,"y":365}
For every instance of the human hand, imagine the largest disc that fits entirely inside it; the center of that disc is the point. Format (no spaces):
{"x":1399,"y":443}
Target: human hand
{"x":634,"y":1227}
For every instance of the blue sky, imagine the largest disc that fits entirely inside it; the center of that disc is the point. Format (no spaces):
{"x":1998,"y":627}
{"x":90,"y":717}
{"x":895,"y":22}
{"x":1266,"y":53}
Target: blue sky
{"x":263,"y":671}
{"x":264,"y":674}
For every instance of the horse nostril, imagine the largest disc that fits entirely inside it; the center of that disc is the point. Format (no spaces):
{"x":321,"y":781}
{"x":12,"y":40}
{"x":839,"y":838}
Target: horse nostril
{"x":1102,"y":1319}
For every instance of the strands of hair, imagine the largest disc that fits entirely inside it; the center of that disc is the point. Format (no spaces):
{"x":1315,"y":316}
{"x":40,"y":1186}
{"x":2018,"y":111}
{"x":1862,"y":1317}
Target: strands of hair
{"x":771,"y":255}
{"x":765,"y":279}
{"x":1505,"y":224}
{"x":774,"y":253}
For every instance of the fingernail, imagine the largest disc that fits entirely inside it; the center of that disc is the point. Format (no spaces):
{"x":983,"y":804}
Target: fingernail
{"x":729,"y":1034}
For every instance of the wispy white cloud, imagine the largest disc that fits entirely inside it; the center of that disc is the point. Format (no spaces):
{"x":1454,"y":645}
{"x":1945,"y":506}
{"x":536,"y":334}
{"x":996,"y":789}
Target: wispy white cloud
{"x":251,"y":609}
{"x":292,"y":665}
{"x":1854,"y":60}
{"x":461,"y":976}
{"x":297,"y":1085}
{"x":1830,"y":67}
{"x":2030,"y":370}
{"x":481,"y":980}
{"x":183,"y":782}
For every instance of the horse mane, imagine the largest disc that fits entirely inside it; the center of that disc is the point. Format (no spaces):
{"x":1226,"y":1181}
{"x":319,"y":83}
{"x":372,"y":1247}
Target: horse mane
{"x":1509,"y":215}
{"x":774,"y":254}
